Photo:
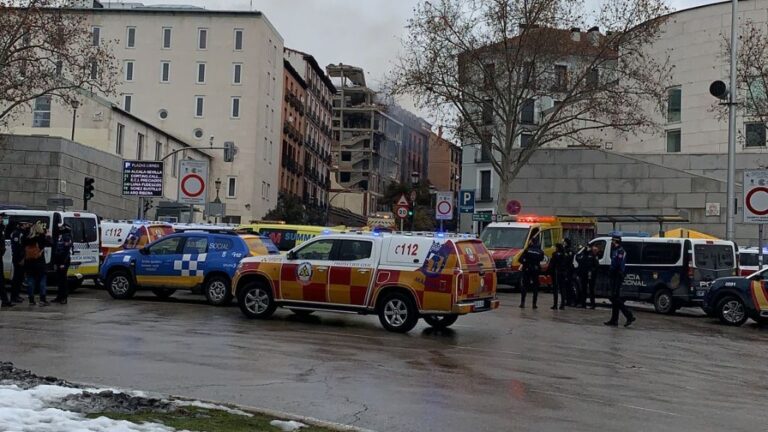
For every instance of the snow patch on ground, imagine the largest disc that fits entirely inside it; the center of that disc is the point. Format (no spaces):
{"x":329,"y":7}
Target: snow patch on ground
{"x":30,"y":410}
{"x":205,"y":405}
{"x":287,"y":426}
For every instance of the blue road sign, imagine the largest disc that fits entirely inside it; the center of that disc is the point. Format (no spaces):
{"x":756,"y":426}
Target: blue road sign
{"x":467,"y":201}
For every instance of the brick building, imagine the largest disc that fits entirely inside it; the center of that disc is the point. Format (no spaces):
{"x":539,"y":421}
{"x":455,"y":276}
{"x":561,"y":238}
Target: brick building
{"x":292,"y":160}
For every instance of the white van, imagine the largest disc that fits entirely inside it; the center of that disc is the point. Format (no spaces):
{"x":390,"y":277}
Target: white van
{"x":85,"y":238}
{"x":668,"y":272}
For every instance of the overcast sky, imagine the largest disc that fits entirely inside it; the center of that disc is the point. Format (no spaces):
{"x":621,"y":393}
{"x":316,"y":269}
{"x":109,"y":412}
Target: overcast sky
{"x":363,"y":33}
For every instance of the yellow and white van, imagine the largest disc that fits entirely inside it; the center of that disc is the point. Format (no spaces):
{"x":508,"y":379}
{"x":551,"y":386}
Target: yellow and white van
{"x":286,"y":236}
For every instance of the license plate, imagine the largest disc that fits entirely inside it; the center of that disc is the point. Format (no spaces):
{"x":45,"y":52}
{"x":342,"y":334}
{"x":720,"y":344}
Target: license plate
{"x":480,"y":304}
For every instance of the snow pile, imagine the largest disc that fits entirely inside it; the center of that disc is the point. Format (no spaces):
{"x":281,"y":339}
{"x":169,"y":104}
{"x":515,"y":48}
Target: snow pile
{"x":30,"y":410}
{"x":210,"y":406}
{"x":287,"y":426}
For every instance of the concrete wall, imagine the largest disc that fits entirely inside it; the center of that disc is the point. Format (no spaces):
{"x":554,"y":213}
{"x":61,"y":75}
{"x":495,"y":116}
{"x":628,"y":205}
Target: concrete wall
{"x":32,"y":168}
{"x":582,"y":181}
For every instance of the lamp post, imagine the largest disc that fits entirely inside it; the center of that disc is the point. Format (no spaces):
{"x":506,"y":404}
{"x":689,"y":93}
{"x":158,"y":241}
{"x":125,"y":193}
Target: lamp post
{"x":414,"y":185}
{"x":75,"y":106}
{"x":217,"y":184}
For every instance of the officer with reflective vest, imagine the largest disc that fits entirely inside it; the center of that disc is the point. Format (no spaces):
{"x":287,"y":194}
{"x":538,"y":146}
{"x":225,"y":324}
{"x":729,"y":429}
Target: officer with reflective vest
{"x":617,"y":273}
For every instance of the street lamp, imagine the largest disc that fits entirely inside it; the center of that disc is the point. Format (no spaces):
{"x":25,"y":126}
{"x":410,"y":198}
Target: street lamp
{"x":217,"y":183}
{"x":75,"y":106}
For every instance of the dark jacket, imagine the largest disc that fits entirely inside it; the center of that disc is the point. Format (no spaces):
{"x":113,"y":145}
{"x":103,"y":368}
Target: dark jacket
{"x":17,"y":245}
{"x":2,"y":242}
{"x":588,"y":262}
{"x":619,"y":260}
{"x":37,"y":265}
{"x":562,"y":261}
{"x":530,"y":260}
{"x":62,"y":250}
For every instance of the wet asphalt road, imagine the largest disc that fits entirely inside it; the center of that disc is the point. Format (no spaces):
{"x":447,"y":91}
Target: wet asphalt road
{"x":498,"y":371}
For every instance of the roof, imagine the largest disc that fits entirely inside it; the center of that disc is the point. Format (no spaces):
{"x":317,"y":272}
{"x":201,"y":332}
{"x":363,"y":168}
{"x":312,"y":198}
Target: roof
{"x":140,"y":8}
{"x":294,"y":74}
{"x":320,"y":71}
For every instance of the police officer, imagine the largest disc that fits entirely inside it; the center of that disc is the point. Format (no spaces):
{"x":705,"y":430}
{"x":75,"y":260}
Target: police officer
{"x":559,"y":269}
{"x":4,"y":300}
{"x":62,"y":258}
{"x":530,"y":262}
{"x":18,"y":235}
{"x":588,"y":264}
{"x":569,"y":274}
{"x":617,"y":273}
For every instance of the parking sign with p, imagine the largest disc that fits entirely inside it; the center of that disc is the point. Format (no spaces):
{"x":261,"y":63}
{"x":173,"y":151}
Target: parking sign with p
{"x":467,"y":201}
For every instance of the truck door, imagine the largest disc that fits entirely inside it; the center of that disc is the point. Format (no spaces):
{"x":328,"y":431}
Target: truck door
{"x":156,"y":267}
{"x":305,"y":276}
{"x":351,"y":272}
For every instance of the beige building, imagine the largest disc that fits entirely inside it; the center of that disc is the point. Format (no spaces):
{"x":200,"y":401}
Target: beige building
{"x":444,"y":163}
{"x":207,"y":77}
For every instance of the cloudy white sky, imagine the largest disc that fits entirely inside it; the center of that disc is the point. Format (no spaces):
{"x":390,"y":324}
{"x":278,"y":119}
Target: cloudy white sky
{"x":363,"y":33}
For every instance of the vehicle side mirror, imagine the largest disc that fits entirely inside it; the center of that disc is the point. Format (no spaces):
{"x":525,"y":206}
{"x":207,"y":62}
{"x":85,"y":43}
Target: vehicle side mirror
{"x":291,"y":256}
{"x":144,"y":251}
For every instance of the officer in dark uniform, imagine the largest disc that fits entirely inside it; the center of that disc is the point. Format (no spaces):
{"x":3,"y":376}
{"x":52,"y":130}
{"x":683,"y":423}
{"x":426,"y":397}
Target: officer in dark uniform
{"x":560,"y":269}
{"x":588,"y":262}
{"x":530,"y":263}
{"x":4,"y":300}
{"x":62,"y":259}
{"x":569,"y":274}
{"x":18,"y":235}
{"x":617,"y":273}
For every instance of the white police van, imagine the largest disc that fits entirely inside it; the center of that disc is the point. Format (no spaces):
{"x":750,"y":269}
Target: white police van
{"x":85,"y":238}
{"x":669,"y":272}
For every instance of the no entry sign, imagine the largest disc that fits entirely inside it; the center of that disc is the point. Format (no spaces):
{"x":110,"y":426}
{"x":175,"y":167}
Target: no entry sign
{"x":444,"y":206}
{"x":193,"y":181}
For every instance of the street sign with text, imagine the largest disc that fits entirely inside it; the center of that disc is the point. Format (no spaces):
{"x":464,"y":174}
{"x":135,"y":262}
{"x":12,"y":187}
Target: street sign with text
{"x":402,"y":212}
{"x":481,"y":217}
{"x":143,"y":178}
{"x":467,"y":201}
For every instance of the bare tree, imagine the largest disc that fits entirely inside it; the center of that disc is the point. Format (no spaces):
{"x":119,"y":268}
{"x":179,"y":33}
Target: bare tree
{"x":47,"y":48}
{"x":515,"y":75}
{"x":752,"y":75}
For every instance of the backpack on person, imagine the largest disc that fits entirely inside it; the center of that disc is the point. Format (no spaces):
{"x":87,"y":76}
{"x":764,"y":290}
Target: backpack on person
{"x":32,"y":252}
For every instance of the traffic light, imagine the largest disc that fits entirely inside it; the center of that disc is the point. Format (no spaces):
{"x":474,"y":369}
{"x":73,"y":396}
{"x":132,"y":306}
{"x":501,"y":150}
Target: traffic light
{"x":229,"y":151}
{"x":410,"y":213}
{"x":87,"y":191}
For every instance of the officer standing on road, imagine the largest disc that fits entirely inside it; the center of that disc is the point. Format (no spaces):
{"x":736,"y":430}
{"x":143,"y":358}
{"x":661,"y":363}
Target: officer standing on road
{"x":18,"y":235}
{"x":588,"y":262}
{"x":569,"y":273}
{"x":4,"y":300}
{"x":617,"y":273}
{"x":530,"y":262}
{"x":62,"y":258}
{"x":559,"y":269}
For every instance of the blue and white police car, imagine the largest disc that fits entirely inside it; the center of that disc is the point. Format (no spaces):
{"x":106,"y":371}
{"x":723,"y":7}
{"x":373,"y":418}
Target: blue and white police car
{"x":202,"y":261}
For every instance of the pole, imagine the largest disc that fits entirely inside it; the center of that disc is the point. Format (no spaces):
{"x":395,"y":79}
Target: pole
{"x":74,"y":118}
{"x":731,"y":182}
{"x":401,"y":224}
{"x":141,"y":208}
{"x":761,"y":259}
{"x":441,"y":225}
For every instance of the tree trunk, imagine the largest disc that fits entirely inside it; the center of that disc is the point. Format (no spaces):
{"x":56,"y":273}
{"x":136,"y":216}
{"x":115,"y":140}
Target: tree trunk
{"x":504,"y":181}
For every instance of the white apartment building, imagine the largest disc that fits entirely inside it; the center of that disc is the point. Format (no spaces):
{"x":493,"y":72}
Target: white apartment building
{"x":206,"y":76}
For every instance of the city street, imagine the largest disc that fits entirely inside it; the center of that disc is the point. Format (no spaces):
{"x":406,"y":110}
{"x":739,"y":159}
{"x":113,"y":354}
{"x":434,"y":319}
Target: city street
{"x":504,"y":370}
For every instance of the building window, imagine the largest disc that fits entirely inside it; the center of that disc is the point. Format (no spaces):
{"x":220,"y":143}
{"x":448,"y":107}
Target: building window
{"x":130,"y":37}
{"x":199,"y":106}
{"x":485,"y":185}
{"x":674,"y":101}
{"x":755,"y":135}
{"x":96,"y":32}
{"x":165,"y":72}
{"x":59,"y":67}
{"x":490,"y":76}
{"x":235,"y":107}
{"x":488,"y":111}
{"x":346,"y":156}
{"x":127,"y":101}
{"x":201,"y":73}
{"x":237,"y":73}
{"x":527,"y":112}
{"x":94,"y":70}
{"x":41,"y":115}
{"x":175,"y":164}
{"x":128,"y":70}
{"x":561,"y":78}
{"x":202,"y":38}
{"x":756,"y":95}
{"x":158,"y":150}
{"x":673,"y":141}
{"x":140,"y":146}
{"x":231,"y":187}
{"x":166,"y":37}
{"x":238,"y":39}
{"x":593,"y":78}
{"x":525,"y":140}
{"x":120,"y":138}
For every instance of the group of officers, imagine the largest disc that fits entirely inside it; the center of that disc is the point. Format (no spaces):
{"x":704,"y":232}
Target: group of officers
{"x":573,"y":280}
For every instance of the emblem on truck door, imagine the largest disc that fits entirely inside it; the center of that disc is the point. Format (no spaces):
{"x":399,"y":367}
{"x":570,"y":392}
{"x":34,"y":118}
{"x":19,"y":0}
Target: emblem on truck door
{"x":304,"y":272}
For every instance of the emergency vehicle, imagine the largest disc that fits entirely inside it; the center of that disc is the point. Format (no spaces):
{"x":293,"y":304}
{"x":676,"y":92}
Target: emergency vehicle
{"x":200,"y":261}
{"x":506,"y":240}
{"x":398,"y":277}
{"x":286,"y":236}
{"x":668,"y":272}
{"x":118,"y":235}
{"x":735,"y":299}
{"x":85,"y":238}
{"x":749,"y":260}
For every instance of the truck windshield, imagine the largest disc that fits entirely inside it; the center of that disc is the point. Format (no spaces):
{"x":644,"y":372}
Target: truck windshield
{"x":504,"y":237}
{"x":713,"y":257}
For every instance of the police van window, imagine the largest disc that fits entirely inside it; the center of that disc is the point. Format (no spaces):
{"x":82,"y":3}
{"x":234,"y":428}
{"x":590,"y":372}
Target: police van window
{"x":319,"y":250}
{"x":634,"y":251}
{"x":600,"y":247}
{"x":661,"y":253}
{"x":84,"y":230}
{"x":196,"y":245}
{"x":220,"y":245}
{"x":16,"y":219}
{"x":354,"y":250}
{"x":166,"y":247}
{"x":713,"y":257}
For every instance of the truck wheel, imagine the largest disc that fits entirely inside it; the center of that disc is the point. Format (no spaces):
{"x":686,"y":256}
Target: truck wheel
{"x":663,"y":302}
{"x":256,"y":301}
{"x":398,"y":313}
{"x":120,"y":286}
{"x":163,"y":293}
{"x":731,"y":311}
{"x":440,"y":321}
{"x":218,"y":291}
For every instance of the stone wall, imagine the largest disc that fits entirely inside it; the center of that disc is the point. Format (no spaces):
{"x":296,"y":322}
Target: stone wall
{"x":597,"y":182}
{"x":32,"y":168}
